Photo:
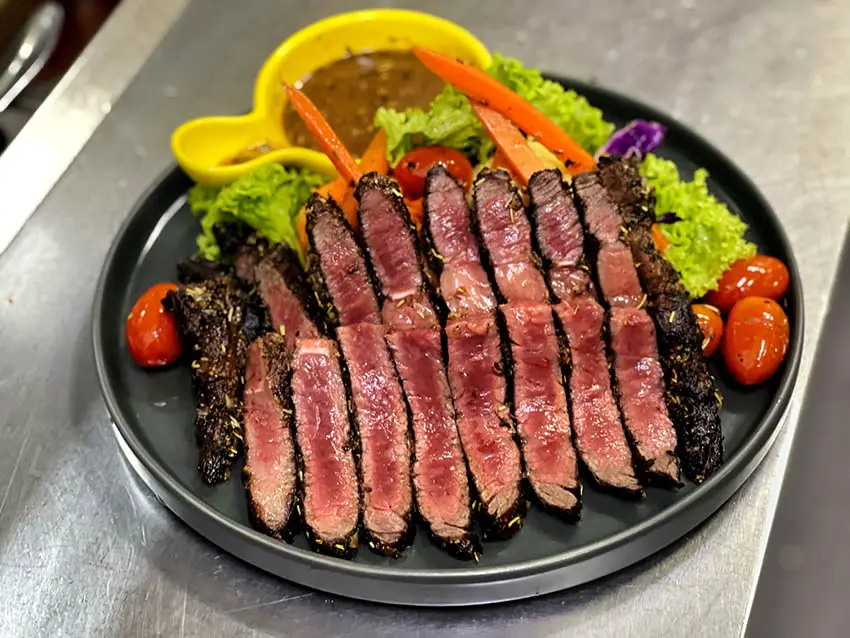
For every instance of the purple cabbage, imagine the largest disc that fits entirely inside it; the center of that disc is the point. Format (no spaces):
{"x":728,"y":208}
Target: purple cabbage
{"x":638,"y":138}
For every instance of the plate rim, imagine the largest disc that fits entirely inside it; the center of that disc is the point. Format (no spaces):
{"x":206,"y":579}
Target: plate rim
{"x":734,"y":472}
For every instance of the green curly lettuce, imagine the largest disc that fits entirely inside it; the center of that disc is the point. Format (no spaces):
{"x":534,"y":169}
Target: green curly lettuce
{"x":451,"y":122}
{"x":267,"y":199}
{"x":708,"y":239}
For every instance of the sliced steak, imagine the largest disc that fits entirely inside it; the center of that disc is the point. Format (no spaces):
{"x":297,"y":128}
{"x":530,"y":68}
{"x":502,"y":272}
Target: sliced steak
{"x":448,"y":221}
{"x":557,"y":226}
{"x":391,"y":242}
{"x":466,"y":290}
{"x":601,"y":217}
{"x":599,"y":436}
{"x":209,"y":319}
{"x":286,"y":295}
{"x":383,"y":428}
{"x":506,"y":233}
{"x":439,"y":471}
{"x":414,"y":311}
{"x":337,"y":267}
{"x":269,"y":474}
{"x":323,"y":435}
{"x":540,"y":406}
{"x":618,"y":277}
{"x":692,"y":395}
{"x":641,"y":389}
{"x":477,"y":378}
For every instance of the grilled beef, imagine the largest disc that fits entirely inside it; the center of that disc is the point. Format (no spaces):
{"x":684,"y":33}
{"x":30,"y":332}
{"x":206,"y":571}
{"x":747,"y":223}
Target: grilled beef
{"x":439,"y":472}
{"x":506,"y":232}
{"x":196,"y":269}
{"x":599,"y":436}
{"x":284,"y":291}
{"x":383,"y":429}
{"x":337,"y":268}
{"x":323,"y":435}
{"x":692,"y":395}
{"x":269,"y":474}
{"x":209,"y":319}
{"x":475,"y":359}
{"x":540,"y":406}
{"x":637,"y":369}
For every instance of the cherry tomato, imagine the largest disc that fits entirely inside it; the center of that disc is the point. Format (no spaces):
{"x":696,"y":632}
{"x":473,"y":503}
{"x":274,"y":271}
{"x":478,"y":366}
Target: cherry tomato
{"x":758,"y":276}
{"x":711,"y":323}
{"x":412,"y":169}
{"x":756,"y":339}
{"x":151,"y":334}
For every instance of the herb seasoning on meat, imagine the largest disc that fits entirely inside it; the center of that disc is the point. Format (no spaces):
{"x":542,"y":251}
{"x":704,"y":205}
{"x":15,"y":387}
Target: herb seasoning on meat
{"x":349,"y":91}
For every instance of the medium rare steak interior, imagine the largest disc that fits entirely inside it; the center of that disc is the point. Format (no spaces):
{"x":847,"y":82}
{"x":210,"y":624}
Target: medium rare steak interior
{"x":269,"y":473}
{"x":209,"y":319}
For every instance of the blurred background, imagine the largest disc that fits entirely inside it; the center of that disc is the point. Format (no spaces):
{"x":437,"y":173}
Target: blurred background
{"x":39,"y":41}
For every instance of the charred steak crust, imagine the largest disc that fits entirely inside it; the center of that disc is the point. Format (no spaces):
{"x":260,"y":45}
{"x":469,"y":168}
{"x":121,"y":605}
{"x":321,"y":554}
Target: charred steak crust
{"x":209,"y":319}
{"x":318,"y":208}
{"x":273,"y":495}
{"x":693,"y":399}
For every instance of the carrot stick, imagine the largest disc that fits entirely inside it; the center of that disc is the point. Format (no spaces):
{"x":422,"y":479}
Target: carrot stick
{"x":660,"y":240}
{"x":480,"y":87}
{"x":375,"y":156}
{"x":522,"y":161}
{"x":324,"y":135}
{"x":348,"y":204}
{"x":414,"y":207}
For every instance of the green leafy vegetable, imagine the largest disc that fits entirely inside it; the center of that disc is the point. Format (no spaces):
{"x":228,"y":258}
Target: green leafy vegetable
{"x":267,"y":199}
{"x":708,"y":239}
{"x":450,"y":121}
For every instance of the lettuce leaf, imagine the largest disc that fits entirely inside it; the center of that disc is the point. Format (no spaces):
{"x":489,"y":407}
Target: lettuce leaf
{"x":450,"y":121}
{"x":709,"y":237}
{"x":267,"y":199}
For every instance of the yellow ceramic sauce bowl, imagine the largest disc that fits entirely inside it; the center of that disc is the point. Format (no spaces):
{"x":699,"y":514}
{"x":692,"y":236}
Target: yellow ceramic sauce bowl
{"x":202,"y":145}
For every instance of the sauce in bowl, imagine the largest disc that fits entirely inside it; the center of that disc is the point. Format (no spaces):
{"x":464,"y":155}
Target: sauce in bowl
{"x":349,"y":91}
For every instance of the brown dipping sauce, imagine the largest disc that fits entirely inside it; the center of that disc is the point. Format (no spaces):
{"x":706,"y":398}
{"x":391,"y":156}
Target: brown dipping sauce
{"x":349,"y":91}
{"x":249,"y":153}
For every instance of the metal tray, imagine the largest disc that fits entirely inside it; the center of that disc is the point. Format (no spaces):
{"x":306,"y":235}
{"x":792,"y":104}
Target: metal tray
{"x":153,"y":417}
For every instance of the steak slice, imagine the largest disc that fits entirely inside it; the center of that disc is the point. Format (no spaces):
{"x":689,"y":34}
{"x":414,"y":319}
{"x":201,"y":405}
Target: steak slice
{"x":323,"y":436}
{"x":391,"y":241}
{"x":383,"y":428}
{"x":338,"y":270}
{"x":439,"y":471}
{"x":466,"y":290}
{"x":557,"y":226}
{"x":286,"y":295}
{"x":618,"y":276}
{"x":208,"y":316}
{"x":692,"y":395}
{"x":641,"y":389}
{"x":599,"y":436}
{"x":269,"y":472}
{"x":448,"y":221}
{"x":477,"y":377}
{"x":414,"y":311}
{"x":540,"y":406}
{"x":506,"y":233}
{"x":601,"y":217}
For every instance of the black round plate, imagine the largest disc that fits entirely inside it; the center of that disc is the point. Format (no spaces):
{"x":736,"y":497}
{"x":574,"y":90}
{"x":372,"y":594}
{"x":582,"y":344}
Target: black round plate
{"x":153,"y":416}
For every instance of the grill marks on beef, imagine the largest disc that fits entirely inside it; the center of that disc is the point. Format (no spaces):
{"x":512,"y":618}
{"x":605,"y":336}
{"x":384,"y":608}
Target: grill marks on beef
{"x":283,"y":290}
{"x":506,"y":232}
{"x":637,"y":369}
{"x":323,"y":434}
{"x":337,"y":266}
{"x":269,"y":474}
{"x":439,"y":471}
{"x":382,"y":425}
{"x":209,"y":319}
{"x":540,"y":406}
{"x":692,"y":396}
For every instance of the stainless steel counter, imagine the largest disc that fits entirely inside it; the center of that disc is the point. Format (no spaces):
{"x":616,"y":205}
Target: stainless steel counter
{"x":85,"y":550}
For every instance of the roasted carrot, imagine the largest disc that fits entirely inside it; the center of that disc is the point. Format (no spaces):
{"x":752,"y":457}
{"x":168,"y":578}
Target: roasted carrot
{"x":522,"y":161}
{"x":414,"y":207}
{"x":480,"y":87}
{"x":375,"y":156}
{"x":324,"y":135}
{"x":499,"y":160}
{"x":660,"y":240}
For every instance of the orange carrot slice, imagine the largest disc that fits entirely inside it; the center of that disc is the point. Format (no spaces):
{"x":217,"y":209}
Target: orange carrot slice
{"x":522,"y":161}
{"x":375,"y":156}
{"x":660,"y":240}
{"x":480,"y":87}
{"x":324,"y":135}
{"x":414,"y":207}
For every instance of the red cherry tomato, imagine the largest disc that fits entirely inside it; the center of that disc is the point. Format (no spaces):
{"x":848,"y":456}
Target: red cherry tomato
{"x":412,"y":169}
{"x":758,"y":276}
{"x":756,"y":339}
{"x":711,"y":323}
{"x":151,"y":334}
